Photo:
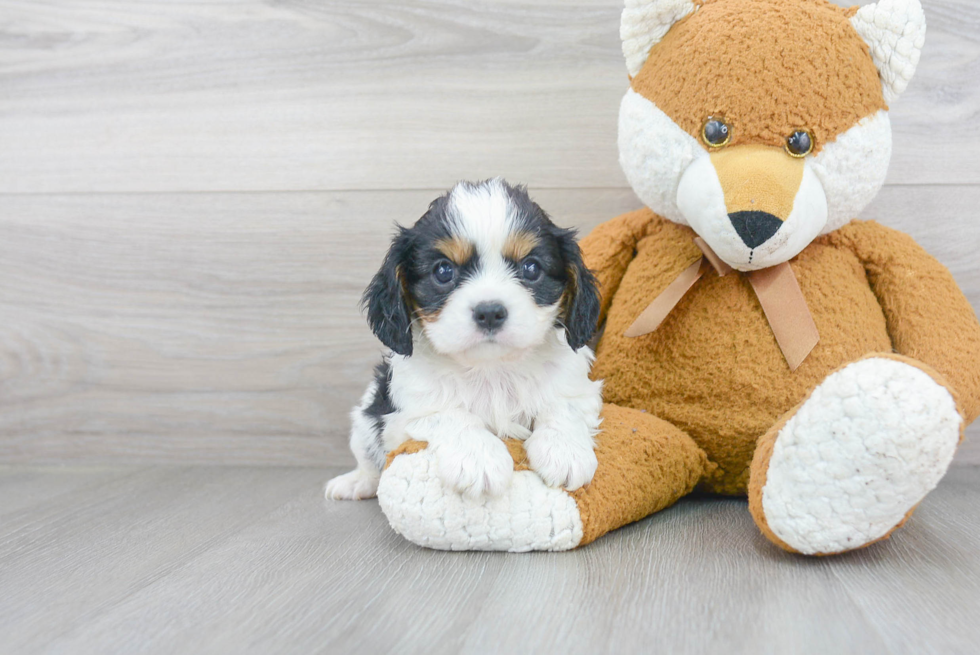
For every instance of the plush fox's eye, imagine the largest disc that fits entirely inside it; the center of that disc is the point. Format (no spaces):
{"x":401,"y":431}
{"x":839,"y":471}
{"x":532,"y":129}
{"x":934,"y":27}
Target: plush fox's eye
{"x":799,"y":144}
{"x":716,"y":133}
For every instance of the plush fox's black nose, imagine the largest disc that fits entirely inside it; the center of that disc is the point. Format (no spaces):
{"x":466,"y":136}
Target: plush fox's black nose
{"x":755,"y":228}
{"x":489,"y":315}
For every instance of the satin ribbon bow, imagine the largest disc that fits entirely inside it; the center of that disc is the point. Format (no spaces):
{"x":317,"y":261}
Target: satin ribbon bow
{"x":776,"y":288}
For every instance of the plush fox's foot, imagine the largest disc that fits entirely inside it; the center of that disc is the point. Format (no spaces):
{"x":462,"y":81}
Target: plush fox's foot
{"x":847,"y":466}
{"x":645,"y":464}
{"x":527,"y":516}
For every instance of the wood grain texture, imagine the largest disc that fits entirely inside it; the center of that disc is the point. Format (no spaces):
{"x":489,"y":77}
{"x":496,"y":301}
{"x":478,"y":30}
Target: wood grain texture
{"x":70,"y":556}
{"x":184,"y":233}
{"x":227,"y":560}
{"x":357,"y":94}
{"x":225,"y":327}
{"x":155,"y":326}
{"x":197,"y":327}
{"x":25,"y":487}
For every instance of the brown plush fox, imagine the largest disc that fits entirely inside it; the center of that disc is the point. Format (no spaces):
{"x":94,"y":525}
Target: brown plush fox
{"x":756,"y":339}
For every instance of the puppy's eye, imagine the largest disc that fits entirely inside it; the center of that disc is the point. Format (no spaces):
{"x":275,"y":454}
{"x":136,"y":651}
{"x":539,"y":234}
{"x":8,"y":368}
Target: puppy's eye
{"x":443,"y":272}
{"x":799,"y":144}
{"x":531,"y":269}
{"x":716,"y":132}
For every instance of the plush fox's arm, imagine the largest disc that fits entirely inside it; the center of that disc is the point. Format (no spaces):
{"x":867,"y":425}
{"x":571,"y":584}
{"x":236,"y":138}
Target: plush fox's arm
{"x":928,"y":317}
{"x":610,"y":247}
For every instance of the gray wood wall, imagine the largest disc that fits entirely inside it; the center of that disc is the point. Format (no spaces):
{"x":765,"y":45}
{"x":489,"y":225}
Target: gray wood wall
{"x":192,"y":196}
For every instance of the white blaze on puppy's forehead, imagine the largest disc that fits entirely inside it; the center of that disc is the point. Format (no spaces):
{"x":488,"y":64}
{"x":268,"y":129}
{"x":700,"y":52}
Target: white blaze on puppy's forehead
{"x":487,"y":216}
{"x":482,"y":214}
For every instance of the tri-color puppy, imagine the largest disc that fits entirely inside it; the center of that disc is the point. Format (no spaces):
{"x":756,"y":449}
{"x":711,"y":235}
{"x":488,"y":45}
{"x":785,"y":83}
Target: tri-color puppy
{"x":487,"y":308}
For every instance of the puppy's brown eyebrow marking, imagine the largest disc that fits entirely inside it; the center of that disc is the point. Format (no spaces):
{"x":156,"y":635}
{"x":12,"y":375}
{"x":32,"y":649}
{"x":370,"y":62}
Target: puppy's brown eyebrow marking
{"x":458,"y":250}
{"x":519,"y":245}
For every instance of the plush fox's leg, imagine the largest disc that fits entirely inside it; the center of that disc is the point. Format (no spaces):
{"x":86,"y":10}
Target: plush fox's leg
{"x":847,"y":466}
{"x":645,"y":465}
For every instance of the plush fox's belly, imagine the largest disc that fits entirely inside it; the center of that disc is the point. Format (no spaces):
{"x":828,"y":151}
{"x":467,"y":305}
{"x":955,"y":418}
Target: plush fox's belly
{"x":713,"y":367}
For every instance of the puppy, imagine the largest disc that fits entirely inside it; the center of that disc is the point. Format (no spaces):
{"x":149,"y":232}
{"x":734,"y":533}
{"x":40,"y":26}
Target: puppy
{"x":487,"y":307}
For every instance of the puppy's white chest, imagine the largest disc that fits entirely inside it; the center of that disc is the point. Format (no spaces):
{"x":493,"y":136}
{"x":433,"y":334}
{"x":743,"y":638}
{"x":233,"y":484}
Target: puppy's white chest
{"x":509,"y":398}
{"x":503,"y":402}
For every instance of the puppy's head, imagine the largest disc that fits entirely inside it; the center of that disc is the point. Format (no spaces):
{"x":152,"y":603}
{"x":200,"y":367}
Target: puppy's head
{"x":482,"y":275}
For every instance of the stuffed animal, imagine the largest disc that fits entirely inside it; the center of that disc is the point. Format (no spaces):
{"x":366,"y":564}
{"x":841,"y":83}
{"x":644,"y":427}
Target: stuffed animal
{"x":757,"y":340}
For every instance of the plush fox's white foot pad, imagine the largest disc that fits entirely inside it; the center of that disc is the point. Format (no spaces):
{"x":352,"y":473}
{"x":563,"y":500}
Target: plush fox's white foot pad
{"x":867,"y":446}
{"x":528,"y":516}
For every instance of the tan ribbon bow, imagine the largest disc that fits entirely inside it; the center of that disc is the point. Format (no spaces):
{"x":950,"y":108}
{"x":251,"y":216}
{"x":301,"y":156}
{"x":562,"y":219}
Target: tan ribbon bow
{"x":776,"y":288}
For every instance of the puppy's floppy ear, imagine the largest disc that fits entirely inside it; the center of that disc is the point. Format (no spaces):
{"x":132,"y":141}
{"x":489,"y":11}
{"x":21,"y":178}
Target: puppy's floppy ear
{"x":581,"y":311}
{"x":386,"y":298}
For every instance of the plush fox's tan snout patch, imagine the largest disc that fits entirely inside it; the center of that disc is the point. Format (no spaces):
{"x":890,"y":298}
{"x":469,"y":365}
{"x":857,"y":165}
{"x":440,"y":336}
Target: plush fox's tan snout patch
{"x":758,"y":179}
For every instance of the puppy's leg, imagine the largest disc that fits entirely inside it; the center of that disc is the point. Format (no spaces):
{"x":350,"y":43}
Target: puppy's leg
{"x":562,"y":447}
{"x":366,"y":443}
{"x":471,"y":460}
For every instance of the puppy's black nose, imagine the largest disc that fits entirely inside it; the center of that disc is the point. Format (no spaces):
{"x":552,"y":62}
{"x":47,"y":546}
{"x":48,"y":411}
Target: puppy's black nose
{"x":489,"y":315}
{"x":755,"y":228}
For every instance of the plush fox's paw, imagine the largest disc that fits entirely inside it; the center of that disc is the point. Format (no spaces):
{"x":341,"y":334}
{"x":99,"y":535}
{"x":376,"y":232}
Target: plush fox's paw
{"x":475,"y":464}
{"x":855,"y":458}
{"x":356,"y":485}
{"x":559,"y":461}
{"x":527,"y":516}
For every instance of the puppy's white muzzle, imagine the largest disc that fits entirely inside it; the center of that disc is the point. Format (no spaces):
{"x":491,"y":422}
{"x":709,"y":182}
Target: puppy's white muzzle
{"x":518,"y":323}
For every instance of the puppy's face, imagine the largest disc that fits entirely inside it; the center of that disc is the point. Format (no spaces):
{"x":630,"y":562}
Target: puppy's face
{"x":484,"y":274}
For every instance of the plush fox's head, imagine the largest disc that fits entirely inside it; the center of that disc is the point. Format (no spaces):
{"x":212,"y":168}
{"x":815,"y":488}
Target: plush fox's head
{"x":762,"y":123}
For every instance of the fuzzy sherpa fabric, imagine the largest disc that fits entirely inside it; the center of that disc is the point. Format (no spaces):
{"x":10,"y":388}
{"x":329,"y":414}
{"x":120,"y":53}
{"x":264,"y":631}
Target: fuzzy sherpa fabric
{"x":528,"y":516}
{"x":836,"y":454}
{"x":713,"y":368}
{"x":808,"y":69}
{"x":855,"y":491}
{"x":645,"y":465}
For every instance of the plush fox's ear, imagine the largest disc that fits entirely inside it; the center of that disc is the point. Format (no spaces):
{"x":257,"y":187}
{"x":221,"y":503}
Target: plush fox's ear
{"x":895,"y":30}
{"x":644,"y":24}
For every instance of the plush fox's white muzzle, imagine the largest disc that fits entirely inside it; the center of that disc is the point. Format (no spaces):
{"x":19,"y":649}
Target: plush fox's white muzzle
{"x":676,"y":177}
{"x":755,"y":206}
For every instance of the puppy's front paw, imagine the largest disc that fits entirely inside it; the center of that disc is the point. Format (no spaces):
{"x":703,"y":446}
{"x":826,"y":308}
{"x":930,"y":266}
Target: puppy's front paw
{"x":356,"y":485}
{"x":475,"y":464}
{"x":559,"y":461}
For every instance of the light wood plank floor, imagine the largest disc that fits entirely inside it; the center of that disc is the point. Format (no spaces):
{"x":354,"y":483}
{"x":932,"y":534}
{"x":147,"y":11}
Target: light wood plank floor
{"x":253,"y":560}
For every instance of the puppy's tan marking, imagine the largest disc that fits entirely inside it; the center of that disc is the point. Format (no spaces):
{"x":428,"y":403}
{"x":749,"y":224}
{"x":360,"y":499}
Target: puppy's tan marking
{"x":519,"y":245}
{"x":571,"y":289}
{"x":428,"y":317}
{"x":458,"y":250}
